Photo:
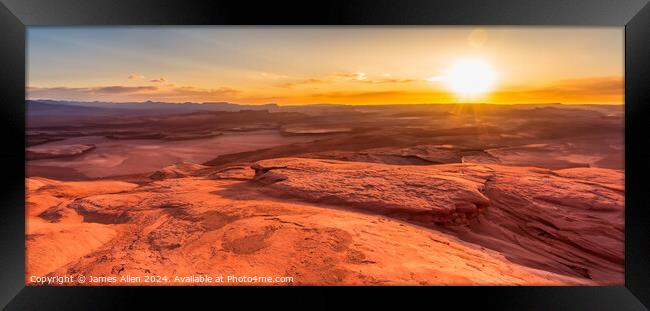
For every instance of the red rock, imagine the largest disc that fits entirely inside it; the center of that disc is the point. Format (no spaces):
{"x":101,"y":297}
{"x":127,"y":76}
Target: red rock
{"x":332,"y":222}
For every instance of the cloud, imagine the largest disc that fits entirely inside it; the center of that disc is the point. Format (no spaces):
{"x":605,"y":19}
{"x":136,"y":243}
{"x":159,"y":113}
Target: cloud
{"x":580,"y":90}
{"x":362,"y":77}
{"x":359,"y":76}
{"x":340,"y":77}
{"x":382,"y":97}
{"x":390,"y":81}
{"x":136,"y":77}
{"x":122,"y":89}
{"x":159,"y":80}
{"x":343,"y":95}
{"x":597,"y":85}
{"x":129,"y":93}
{"x":196,"y":93}
{"x":590,"y":90}
{"x":81,"y":92}
{"x":270,"y":76}
{"x":304,"y":82}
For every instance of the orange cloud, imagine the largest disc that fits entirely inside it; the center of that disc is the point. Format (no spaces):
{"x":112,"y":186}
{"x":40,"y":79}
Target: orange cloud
{"x":122,"y":89}
{"x":129,"y":93}
{"x":340,"y":77}
{"x":383,"y":90}
{"x":381,"y":97}
{"x":135,"y":77}
{"x":590,"y":90}
{"x":85,"y":92}
{"x":191,"y":93}
{"x":159,"y":80}
{"x":580,"y":90}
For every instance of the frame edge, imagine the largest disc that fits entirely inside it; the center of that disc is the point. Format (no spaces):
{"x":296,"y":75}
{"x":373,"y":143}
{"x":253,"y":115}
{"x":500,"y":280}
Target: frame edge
{"x":12,"y":93}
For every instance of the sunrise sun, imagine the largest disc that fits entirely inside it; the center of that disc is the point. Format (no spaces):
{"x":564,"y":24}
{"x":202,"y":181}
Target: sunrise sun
{"x":470,"y":78}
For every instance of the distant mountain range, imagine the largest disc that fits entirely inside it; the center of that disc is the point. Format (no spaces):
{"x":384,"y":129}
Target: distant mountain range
{"x":150,"y":105}
{"x":63,"y":109}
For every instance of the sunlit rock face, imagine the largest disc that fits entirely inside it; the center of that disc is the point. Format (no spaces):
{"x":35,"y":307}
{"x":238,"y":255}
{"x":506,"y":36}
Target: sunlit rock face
{"x":336,"y":222}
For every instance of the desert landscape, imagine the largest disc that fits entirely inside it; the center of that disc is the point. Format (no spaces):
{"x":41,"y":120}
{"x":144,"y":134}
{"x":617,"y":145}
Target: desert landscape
{"x":440,"y":194}
{"x":374,"y":155}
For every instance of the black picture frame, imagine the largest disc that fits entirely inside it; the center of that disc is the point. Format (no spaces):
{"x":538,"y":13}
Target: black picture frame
{"x":634,"y":15}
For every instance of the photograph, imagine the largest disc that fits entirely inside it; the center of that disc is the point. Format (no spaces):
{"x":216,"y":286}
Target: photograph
{"x":324,"y":155}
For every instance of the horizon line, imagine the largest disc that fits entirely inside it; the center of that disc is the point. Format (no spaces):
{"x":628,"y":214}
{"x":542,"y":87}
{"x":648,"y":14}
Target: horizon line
{"x":315,"y":104}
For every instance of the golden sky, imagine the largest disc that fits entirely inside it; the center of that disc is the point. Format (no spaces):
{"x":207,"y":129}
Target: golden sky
{"x":345,"y":65}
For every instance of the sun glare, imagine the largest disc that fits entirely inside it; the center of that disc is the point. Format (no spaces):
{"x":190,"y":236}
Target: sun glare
{"x":470,"y":78}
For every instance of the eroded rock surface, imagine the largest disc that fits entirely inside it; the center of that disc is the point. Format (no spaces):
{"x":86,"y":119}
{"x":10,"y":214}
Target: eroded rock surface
{"x":57,"y":151}
{"x":568,"y":221}
{"x":415,"y":192}
{"x":334,"y":222}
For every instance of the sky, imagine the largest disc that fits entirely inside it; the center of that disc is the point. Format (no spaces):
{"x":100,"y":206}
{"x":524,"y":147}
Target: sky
{"x":343,"y":65}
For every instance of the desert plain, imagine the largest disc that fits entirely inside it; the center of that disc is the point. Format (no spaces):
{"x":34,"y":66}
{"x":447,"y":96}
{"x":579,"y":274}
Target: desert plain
{"x":421,"y":194}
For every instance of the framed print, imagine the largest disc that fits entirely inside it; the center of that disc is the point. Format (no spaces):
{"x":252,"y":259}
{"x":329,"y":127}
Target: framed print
{"x":492,"y":148}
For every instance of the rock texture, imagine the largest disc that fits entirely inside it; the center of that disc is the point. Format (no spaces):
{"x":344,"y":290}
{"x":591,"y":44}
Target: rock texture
{"x":568,"y":221}
{"x":59,"y":151}
{"x":333,"y":222}
{"x":412,"y":191}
